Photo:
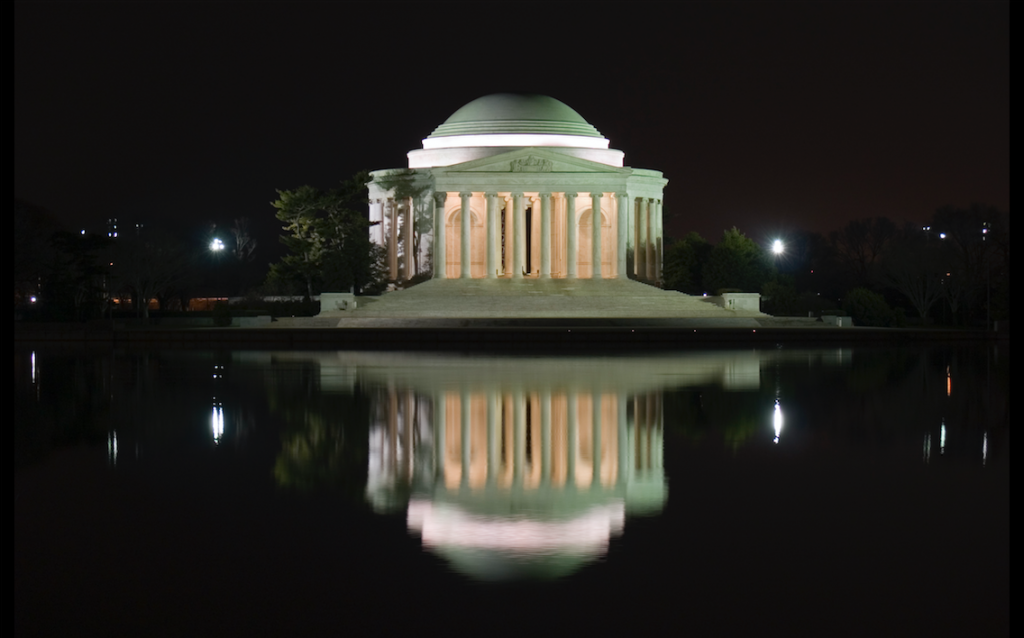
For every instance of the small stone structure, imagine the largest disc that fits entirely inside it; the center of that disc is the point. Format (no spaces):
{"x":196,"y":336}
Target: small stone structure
{"x":741,"y":301}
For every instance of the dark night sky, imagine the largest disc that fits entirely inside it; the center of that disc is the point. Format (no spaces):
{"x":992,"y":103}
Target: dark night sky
{"x":766,"y":116}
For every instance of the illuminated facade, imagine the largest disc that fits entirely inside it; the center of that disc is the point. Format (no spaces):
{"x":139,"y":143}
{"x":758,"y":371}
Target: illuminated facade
{"x":531,"y":172}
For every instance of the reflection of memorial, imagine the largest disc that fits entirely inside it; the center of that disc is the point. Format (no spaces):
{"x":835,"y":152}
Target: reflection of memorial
{"x":514,"y":481}
{"x":512,"y":467}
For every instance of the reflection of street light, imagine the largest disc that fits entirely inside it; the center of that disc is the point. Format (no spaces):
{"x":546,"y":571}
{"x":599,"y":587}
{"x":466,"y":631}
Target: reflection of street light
{"x":778,"y":247}
{"x":216,"y":245}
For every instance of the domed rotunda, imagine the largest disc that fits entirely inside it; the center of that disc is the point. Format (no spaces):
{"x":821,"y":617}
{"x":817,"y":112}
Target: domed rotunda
{"x":530,"y":171}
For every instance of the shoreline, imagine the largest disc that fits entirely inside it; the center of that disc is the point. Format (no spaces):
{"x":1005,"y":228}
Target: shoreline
{"x":529,"y":336}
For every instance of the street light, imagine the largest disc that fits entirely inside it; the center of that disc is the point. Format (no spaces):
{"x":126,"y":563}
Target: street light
{"x":778,"y":247}
{"x":216,"y":245}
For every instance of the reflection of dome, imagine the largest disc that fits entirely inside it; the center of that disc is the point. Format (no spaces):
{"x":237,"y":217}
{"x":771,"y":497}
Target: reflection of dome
{"x":505,"y":547}
{"x":509,"y":113}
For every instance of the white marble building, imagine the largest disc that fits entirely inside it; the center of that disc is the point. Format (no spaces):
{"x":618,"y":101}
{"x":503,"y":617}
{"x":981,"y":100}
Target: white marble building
{"x":531,"y":172}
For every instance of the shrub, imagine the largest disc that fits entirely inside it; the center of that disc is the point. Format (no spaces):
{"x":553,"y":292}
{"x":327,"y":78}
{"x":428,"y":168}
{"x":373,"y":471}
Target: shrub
{"x":868,"y":308}
{"x":221,"y":314}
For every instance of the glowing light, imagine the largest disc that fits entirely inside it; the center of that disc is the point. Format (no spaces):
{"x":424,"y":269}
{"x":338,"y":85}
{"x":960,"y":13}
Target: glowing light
{"x":513,"y":139}
{"x":778,"y":247}
{"x":777,"y":420}
{"x":942,"y":438}
{"x":112,"y":447}
{"x":217,"y":423}
{"x":216,"y":245}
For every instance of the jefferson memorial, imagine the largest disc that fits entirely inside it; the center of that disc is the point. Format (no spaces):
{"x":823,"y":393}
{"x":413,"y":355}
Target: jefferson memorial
{"x":509,"y":187}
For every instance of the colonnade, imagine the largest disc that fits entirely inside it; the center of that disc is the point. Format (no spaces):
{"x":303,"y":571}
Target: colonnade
{"x":519,"y":235}
{"x":390,"y":217}
{"x":520,"y":440}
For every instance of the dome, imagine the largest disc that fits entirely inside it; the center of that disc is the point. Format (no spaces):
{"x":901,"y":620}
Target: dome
{"x":503,"y":122}
{"x":513,"y":113}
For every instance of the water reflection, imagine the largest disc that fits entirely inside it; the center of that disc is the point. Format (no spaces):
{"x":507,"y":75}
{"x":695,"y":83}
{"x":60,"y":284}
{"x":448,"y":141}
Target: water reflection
{"x":328,"y":470}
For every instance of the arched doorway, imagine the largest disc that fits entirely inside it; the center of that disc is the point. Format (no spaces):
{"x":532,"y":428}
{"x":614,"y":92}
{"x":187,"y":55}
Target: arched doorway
{"x":585,"y":246}
{"x":453,"y":245}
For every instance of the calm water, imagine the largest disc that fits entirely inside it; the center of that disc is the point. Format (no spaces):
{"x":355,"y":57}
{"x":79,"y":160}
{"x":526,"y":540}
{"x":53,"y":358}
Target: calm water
{"x":752,"y":492}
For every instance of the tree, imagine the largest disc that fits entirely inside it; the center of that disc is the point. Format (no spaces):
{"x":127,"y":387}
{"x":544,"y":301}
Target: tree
{"x":152,"y":264}
{"x":684,"y":263}
{"x":33,"y":249}
{"x":972,"y":239}
{"x":914,"y":266}
{"x":737,"y":263}
{"x":328,"y":242}
{"x":859,"y":247}
{"x":74,"y":285}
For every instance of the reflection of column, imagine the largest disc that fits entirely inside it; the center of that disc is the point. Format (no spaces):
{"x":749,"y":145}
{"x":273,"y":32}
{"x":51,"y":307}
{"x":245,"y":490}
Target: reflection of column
{"x":621,"y":230}
{"x":545,"y":235}
{"x":440,"y":259}
{"x":492,"y":220}
{"x":640,"y":408}
{"x":623,"y":459}
{"x":545,"y":438}
{"x":595,"y":480}
{"x":464,"y":431}
{"x":595,"y":233}
{"x":407,"y":424}
{"x":519,"y":419}
{"x":574,"y":438}
{"x":492,"y":437}
{"x":440,"y":423}
{"x":465,"y":252}
{"x":392,"y":444}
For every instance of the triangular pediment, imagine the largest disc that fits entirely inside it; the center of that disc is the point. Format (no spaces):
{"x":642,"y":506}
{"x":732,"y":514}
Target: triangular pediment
{"x":532,"y":160}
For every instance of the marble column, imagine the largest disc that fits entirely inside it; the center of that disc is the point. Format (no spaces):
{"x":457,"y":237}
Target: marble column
{"x":658,"y":239}
{"x":640,"y":253}
{"x":440,"y":259}
{"x":407,"y":239}
{"x":492,"y":234}
{"x":391,"y":212}
{"x":519,"y":249}
{"x":465,"y":249}
{"x":652,"y":210}
{"x":509,"y":236}
{"x":595,"y":234}
{"x":570,"y":234}
{"x":545,"y":235}
{"x":377,"y":222}
{"x":621,"y":230}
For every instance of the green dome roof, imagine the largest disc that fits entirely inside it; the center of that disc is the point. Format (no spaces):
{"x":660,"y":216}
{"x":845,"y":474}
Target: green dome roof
{"x":514,"y":113}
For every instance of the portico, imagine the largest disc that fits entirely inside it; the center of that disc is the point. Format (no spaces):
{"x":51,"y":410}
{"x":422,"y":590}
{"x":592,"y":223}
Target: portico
{"x":531,"y":173}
